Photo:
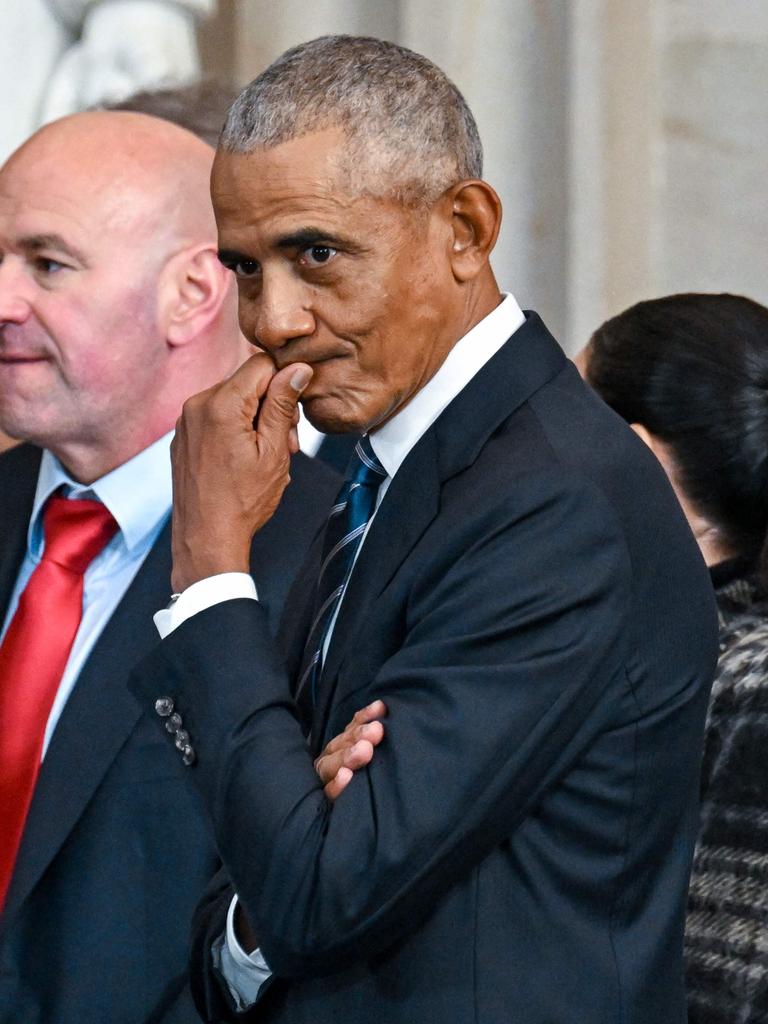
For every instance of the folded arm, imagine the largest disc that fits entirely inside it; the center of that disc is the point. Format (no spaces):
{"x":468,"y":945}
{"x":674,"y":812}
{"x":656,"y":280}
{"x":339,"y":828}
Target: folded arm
{"x":502,"y":678}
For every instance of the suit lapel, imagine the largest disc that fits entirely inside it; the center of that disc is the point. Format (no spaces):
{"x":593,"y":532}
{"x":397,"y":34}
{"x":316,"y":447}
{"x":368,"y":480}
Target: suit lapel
{"x":295,"y":622}
{"x":18,"y":480}
{"x":523,"y":365}
{"x":96,"y":722}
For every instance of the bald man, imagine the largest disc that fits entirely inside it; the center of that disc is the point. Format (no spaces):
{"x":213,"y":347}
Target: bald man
{"x":113,"y":309}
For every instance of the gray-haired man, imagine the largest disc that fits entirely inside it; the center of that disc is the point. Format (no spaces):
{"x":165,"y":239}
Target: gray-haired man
{"x":506,"y":568}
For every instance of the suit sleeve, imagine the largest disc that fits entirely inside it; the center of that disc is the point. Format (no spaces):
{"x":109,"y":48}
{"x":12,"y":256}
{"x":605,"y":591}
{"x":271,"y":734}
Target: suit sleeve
{"x":179,"y":1009}
{"x":511,"y":657}
{"x":209,"y":988}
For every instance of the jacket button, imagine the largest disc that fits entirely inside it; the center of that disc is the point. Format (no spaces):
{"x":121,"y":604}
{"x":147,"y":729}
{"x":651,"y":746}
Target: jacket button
{"x":164,"y":706}
{"x":173,"y":724}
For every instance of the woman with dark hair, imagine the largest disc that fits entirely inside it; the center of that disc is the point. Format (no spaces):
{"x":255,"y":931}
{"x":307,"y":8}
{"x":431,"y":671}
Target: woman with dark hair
{"x":689,"y":373}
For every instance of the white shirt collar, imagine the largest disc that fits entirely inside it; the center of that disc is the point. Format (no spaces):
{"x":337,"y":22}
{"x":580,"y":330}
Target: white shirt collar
{"x":138,"y":493}
{"x":396,"y":438}
{"x":310,"y":438}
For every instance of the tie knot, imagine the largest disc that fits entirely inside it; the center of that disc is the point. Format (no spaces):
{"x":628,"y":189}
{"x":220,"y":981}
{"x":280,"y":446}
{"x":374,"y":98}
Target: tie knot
{"x":365,"y":469}
{"x":76,"y":531}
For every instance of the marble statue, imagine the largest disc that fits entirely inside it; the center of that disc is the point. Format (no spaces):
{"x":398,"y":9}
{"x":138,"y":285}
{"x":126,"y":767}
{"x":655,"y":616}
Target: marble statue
{"x":58,"y":56}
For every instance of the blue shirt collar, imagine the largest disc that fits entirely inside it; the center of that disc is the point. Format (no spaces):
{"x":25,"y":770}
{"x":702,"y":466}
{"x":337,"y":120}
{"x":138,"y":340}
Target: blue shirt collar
{"x":138,"y":493}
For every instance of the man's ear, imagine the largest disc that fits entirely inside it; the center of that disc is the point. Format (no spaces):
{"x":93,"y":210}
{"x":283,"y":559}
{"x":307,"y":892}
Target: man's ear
{"x":476,"y":219}
{"x":193,"y":287}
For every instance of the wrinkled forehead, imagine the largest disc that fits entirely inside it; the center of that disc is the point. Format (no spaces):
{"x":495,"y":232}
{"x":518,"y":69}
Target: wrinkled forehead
{"x":308,"y":163}
{"x":286,"y":189}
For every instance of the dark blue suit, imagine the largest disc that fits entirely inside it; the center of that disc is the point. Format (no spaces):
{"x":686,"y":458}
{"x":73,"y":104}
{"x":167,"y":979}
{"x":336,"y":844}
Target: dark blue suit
{"x":336,"y":450}
{"x":117,"y":849}
{"x":532,"y":607}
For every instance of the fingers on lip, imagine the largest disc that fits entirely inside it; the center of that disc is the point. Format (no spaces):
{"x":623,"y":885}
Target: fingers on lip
{"x":310,"y":360}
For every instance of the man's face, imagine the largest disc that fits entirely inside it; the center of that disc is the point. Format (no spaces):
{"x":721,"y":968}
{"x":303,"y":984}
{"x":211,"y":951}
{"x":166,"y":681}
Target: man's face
{"x":359,"y":288}
{"x":78,"y":303}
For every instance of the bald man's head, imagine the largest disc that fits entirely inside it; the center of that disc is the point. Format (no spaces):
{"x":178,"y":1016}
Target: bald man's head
{"x":138,"y":171}
{"x":108,"y":278}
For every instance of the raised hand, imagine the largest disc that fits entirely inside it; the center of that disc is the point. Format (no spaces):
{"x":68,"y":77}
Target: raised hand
{"x":231,"y":464}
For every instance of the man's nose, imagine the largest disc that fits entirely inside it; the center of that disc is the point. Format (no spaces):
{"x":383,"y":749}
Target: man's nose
{"x":14,"y":292}
{"x":280,"y":314}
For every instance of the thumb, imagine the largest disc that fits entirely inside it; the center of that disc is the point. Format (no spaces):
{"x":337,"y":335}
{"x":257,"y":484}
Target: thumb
{"x":277,"y":415}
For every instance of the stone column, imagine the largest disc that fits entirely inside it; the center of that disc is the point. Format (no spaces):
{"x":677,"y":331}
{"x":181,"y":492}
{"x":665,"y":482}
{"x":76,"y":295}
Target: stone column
{"x":713,"y":201}
{"x":509,"y":58}
{"x":265,"y":30}
{"x":613,"y":165}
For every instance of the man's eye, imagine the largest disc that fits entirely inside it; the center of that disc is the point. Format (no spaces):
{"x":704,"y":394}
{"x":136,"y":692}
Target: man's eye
{"x":48,"y":266}
{"x":245,"y":268}
{"x":317,"y":255}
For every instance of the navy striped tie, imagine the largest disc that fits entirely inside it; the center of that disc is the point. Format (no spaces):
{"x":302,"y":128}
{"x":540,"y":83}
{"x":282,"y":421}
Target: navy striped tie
{"x":344,"y":532}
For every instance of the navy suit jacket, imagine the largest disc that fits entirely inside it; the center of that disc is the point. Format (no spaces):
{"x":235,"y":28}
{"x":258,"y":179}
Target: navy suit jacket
{"x":336,"y":450}
{"x":532,"y":607}
{"x":117,"y":849}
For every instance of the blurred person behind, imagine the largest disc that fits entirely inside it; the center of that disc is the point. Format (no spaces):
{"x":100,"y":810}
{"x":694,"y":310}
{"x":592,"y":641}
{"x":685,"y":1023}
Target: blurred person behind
{"x":114,"y":308}
{"x":200,"y":107}
{"x":690,"y":374}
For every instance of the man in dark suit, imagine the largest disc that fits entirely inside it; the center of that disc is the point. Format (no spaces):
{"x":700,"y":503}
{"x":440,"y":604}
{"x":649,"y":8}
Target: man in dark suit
{"x":506,"y":568}
{"x":113,"y":309}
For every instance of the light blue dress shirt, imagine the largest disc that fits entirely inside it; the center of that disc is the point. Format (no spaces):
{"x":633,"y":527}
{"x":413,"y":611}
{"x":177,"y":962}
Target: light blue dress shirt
{"x":138,"y":494}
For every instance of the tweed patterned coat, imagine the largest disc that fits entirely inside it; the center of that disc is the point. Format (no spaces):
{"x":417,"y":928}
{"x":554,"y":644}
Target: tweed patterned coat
{"x":727,"y":926}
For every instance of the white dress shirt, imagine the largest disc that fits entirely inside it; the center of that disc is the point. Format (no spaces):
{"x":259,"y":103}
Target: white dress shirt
{"x":245,"y":973}
{"x":138,"y":494}
{"x":310,"y":438}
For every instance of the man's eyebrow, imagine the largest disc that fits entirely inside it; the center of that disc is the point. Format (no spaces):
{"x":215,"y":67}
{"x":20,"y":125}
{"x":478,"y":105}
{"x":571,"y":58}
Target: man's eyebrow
{"x":231,"y":256}
{"x":300,"y":239}
{"x":36,"y":243}
{"x":305,"y":237}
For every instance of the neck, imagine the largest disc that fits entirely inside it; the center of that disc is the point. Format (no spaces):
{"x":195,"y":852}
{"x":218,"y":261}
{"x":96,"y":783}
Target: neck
{"x":711,"y":544}
{"x":88,"y":463}
{"x":709,"y":538}
{"x":480,"y":302}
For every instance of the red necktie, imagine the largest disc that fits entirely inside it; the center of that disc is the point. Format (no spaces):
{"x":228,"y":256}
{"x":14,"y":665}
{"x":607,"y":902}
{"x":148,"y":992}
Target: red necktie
{"x":34,"y":654}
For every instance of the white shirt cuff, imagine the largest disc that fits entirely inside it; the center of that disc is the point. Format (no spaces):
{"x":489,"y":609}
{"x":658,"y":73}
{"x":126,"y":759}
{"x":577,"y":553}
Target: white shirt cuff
{"x":243,"y":973}
{"x":226,"y":586}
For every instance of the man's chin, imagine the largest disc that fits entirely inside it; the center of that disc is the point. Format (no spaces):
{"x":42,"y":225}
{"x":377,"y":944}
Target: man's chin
{"x":331,"y":414}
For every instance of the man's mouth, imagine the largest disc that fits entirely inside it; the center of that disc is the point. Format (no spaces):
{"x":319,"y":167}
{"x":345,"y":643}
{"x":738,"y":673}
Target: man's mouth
{"x":313,"y":361}
{"x":12,"y":358}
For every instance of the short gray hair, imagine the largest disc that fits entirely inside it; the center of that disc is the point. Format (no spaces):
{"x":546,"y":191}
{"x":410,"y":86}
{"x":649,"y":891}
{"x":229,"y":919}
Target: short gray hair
{"x":406,"y":123}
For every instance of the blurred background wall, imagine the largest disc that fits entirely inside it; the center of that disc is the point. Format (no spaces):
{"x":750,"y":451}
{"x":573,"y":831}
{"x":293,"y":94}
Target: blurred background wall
{"x":628,"y":139}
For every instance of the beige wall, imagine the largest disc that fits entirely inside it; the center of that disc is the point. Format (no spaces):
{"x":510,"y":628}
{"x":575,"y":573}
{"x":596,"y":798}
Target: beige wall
{"x":627,"y":138}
